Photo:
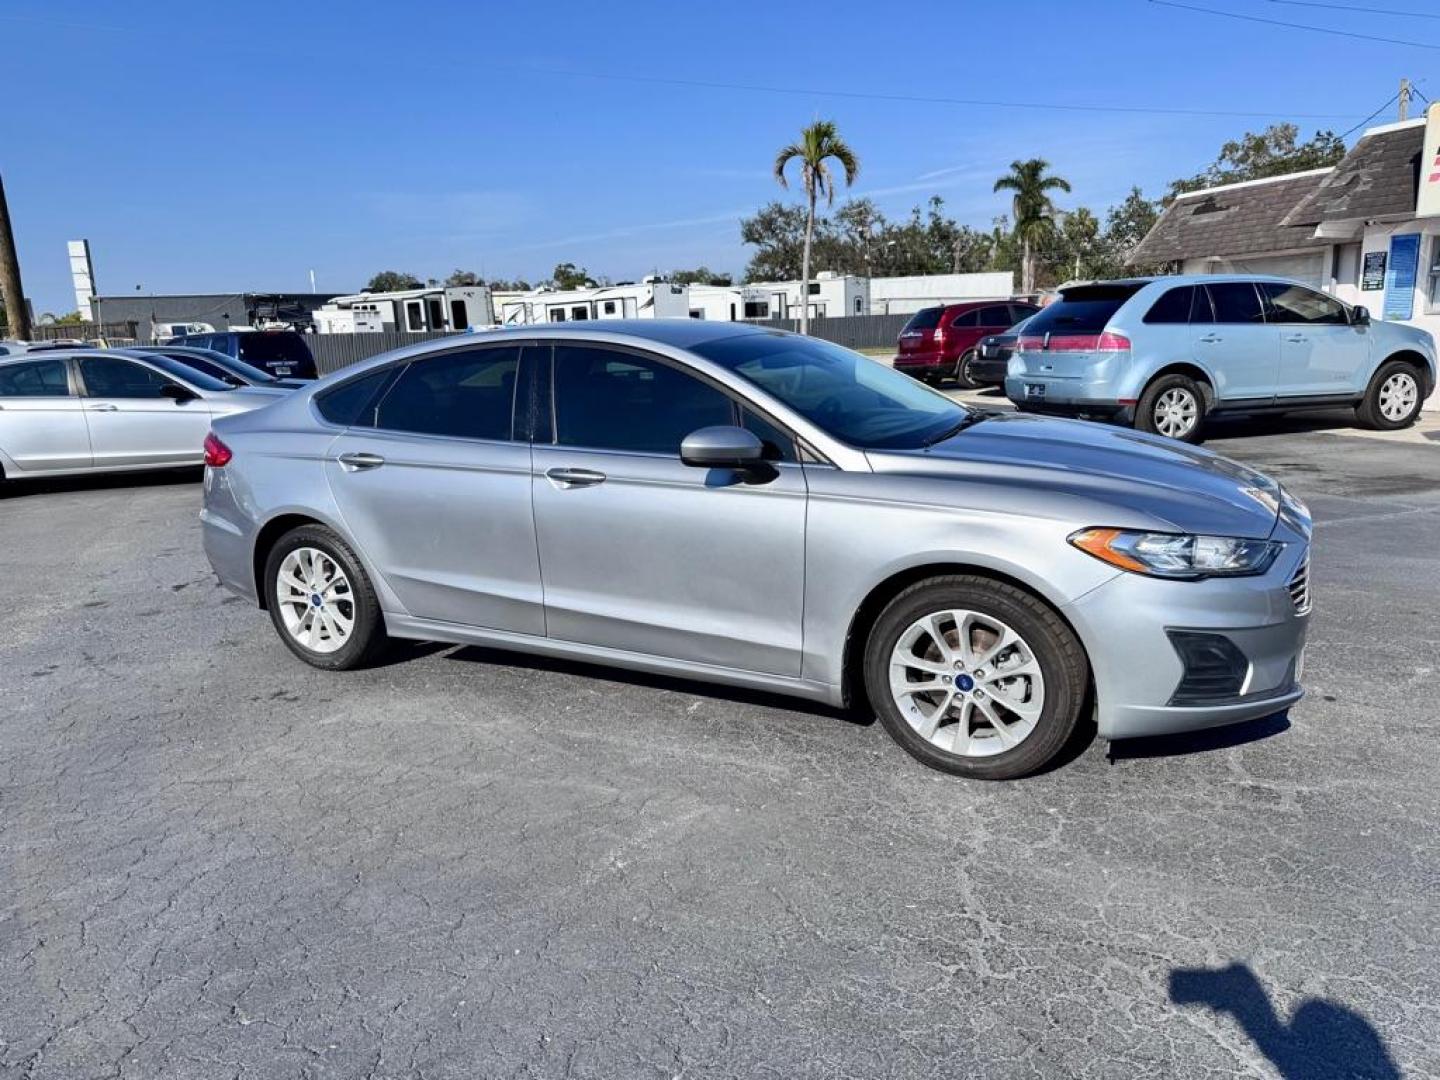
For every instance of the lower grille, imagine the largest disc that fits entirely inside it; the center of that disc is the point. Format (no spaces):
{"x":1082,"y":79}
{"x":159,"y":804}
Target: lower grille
{"x":1215,"y":670}
{"x":1299,"y":587}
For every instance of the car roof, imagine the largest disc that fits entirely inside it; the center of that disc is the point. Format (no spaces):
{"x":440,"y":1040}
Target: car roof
{"x":1182,"y":279}
{"x":680,"y":333}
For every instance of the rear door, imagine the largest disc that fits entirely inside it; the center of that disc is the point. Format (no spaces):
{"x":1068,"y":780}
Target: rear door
{"x":433,"y":481}
{"x":644,"y":553}
{"x":1236,"y":345}
{"x":42,"y":428}
{"x":132,"y":422}
{"x":1321,"y":354}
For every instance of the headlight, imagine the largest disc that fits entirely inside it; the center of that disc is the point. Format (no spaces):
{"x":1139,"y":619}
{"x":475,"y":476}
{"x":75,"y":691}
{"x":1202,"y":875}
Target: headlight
{"x":1173,"y":555}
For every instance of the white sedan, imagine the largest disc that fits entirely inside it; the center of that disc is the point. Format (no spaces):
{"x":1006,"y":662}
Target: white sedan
{"x":93,"y":410}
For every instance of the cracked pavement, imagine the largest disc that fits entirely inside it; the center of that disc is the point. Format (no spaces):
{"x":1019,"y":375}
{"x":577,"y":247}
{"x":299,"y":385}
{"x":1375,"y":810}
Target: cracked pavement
{"x":218,"y":862}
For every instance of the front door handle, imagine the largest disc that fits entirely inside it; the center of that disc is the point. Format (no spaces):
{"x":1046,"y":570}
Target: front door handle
{"x":569,"y":478}
{"x":1212,"y":339}
{"x":1296,"y":339}
{"x":104,"y":407}
{"x":359,"y":462}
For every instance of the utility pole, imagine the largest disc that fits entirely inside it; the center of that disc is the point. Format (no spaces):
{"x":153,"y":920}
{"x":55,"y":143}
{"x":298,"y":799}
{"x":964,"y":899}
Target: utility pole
{"x":14,"y":292}
{"x":1404,"y":100}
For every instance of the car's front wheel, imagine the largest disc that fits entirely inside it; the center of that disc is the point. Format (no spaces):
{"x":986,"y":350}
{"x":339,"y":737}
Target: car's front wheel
{"x":975,"y":677}
{"x":1393,"y":399}
{"x":963,"y":378}
{"x":1174,"y":406}
{"x":321,"y":600}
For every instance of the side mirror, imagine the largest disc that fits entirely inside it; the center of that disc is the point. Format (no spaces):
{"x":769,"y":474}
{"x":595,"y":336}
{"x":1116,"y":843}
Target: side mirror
{"x":177,"y":393}
{"x":722,"y":447}
{"x":1359,"y":315}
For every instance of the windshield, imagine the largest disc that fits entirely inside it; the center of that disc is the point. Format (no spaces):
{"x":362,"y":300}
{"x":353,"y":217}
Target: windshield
{"x":185,"y":373}
{"x":851,"y":397}
{"x":208,"y":359}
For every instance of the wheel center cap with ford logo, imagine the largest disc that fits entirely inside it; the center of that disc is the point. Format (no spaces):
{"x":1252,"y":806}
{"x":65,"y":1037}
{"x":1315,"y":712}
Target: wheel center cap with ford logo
{"x":964,"y":682}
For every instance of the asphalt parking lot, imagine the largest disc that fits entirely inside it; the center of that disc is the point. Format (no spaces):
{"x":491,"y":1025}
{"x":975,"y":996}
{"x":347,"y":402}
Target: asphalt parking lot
{"x":220,"y":863}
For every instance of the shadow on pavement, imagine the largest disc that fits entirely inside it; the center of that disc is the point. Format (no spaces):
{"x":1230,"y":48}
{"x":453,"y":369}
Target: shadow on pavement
{"x":1199,"y":742}
{"x":1321,"y":1040}
{"x":476,"y":654}
{"x":19,"y":489}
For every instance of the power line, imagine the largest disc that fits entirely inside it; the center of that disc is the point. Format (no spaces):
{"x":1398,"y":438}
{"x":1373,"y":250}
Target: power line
{"x":1372,"y":116}
{"x":1297,"y":26}
{"x":916,"y":99}
{"x":1358,"y":10}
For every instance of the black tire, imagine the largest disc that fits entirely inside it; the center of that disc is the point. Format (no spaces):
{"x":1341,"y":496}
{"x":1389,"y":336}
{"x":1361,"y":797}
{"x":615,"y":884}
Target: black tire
{"x":367,"y":640}
{"x":963,"y":378}
{"x":1059,"y":654}
{"x":1163,"y":394}
{"x":1370,"y":413}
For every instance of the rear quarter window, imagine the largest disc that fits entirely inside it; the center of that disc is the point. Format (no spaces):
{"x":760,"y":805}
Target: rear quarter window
{"x":1086,"y":309}
{"x":352,"y":404}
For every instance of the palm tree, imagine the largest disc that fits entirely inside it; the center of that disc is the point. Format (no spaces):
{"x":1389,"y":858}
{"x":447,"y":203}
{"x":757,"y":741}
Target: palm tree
{"x":1034,"y":213}
{"x":818,"y":143}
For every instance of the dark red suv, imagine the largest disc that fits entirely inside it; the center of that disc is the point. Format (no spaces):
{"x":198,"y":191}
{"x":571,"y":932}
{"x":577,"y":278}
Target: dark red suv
{"x":938,"y":342}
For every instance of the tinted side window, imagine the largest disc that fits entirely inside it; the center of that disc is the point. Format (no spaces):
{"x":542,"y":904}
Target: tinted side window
{"x":352,"y":404}
{"x":1021,"y":312}
{"x":43,"y":378}
{"x":613,"y":400}
{"x":995,"y":316}
{"x":468,"y":395}
{"x":1297,"y":304}
{"x":1173,"y":307}
{"x":778,"y":445}
{"x":1235,"y":302}
{"x":966,"y":318}
{"x":112,"y":377}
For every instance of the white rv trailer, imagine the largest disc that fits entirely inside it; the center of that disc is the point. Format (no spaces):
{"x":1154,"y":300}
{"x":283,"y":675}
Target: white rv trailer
{"x":650,"y":299}
{"x":412,"y":311}
{"x":830,"y":295}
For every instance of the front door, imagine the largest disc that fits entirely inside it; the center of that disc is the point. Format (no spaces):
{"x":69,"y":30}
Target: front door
{"x":433,"y":483}
{"x":1321,"y":354}
{"x":41,"y":425}
{"x":643,"y":553}
{"x":131,"y":420}
{"x":1234,"y":343}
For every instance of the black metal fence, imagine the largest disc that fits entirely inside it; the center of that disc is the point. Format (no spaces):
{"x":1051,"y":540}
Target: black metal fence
{"x":335,"y":351}
{"x":852,"y":331}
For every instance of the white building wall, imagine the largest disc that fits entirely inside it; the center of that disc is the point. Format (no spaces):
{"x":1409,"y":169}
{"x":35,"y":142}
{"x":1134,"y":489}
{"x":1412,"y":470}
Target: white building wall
{"x":905,"y":295}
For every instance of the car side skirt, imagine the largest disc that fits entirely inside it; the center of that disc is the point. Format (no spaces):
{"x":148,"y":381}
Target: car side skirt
{"x":408,"y":626}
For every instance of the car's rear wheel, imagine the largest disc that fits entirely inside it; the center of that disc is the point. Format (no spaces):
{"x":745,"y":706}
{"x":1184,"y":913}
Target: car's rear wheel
{"x":975,"y":677}
{"x":1173,"y":406}
{"x":1393,"y":398}
{"x":963,"y":378}
{"x":321,"y":600}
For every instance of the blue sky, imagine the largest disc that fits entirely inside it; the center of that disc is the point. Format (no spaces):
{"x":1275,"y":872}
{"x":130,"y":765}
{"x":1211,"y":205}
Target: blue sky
{"x":200,"y":152}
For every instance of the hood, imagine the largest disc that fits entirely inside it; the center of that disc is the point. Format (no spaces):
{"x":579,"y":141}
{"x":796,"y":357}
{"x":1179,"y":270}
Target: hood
{"x":1182,"y":488}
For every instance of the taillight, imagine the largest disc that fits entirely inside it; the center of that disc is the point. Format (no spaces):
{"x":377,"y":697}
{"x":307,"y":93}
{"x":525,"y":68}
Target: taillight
{"x":217,"y":454}
{"x":939,"y":335}
{"x":1106,"y":342}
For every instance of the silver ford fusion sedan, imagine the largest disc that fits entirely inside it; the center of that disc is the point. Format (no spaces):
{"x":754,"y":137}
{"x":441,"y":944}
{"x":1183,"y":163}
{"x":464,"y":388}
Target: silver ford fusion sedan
{"x":768,"y":510}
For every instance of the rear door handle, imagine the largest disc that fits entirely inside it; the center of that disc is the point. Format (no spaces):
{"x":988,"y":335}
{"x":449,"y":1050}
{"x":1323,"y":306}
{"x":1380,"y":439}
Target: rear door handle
{"x":1296,"y":339}
{"x":359,"y":462}
{"x":104,"y":407}
{"x":1211,"y":339}
{"x":574,"y":477}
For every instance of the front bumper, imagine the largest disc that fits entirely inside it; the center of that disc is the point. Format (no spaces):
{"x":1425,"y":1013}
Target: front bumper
{"x":1138,"y":670}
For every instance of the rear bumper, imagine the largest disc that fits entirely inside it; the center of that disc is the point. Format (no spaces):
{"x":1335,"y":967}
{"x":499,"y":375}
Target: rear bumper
{"x":989,"y":372}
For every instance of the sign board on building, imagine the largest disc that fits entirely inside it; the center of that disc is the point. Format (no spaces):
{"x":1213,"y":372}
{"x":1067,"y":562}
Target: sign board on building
{"x":1400,"y":278}
{"x":82,"y":275}
{"x":1427,"y":201}
{"x":1372,"y":276}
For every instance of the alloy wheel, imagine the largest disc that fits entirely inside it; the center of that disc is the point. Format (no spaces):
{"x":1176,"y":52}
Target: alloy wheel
{"x":1176,"y":412}
{"x":1398,"y":395}
{"x":315,"y":600}
{"x":967,"y":683}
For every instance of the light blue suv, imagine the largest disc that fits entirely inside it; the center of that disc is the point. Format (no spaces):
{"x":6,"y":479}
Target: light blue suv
{"x":1163,"y":353}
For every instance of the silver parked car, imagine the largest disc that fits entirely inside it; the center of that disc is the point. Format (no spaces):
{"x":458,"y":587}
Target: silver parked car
{"x":767,"y":510}
{"x":103,"y":410}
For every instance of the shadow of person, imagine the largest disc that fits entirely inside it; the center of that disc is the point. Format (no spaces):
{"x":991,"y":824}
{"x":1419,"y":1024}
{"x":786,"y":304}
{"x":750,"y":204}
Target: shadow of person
{"x":1322,"y":1041}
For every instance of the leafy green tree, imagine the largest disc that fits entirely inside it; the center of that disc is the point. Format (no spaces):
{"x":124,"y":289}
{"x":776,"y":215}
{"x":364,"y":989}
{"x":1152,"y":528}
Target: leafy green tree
{"x":1125,"y":226}
{"x":569,"y":276}
{"x":460,"y":278}
{"x":70,"y":318}
{"x":819,"y":143}
{"x":1033,"y":210}
{"x":777,"y":232}
{"x":701,"y":275}
{"x":1272,"y":152}
{"x":392,"y":281}
{"x":501,"y":285}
